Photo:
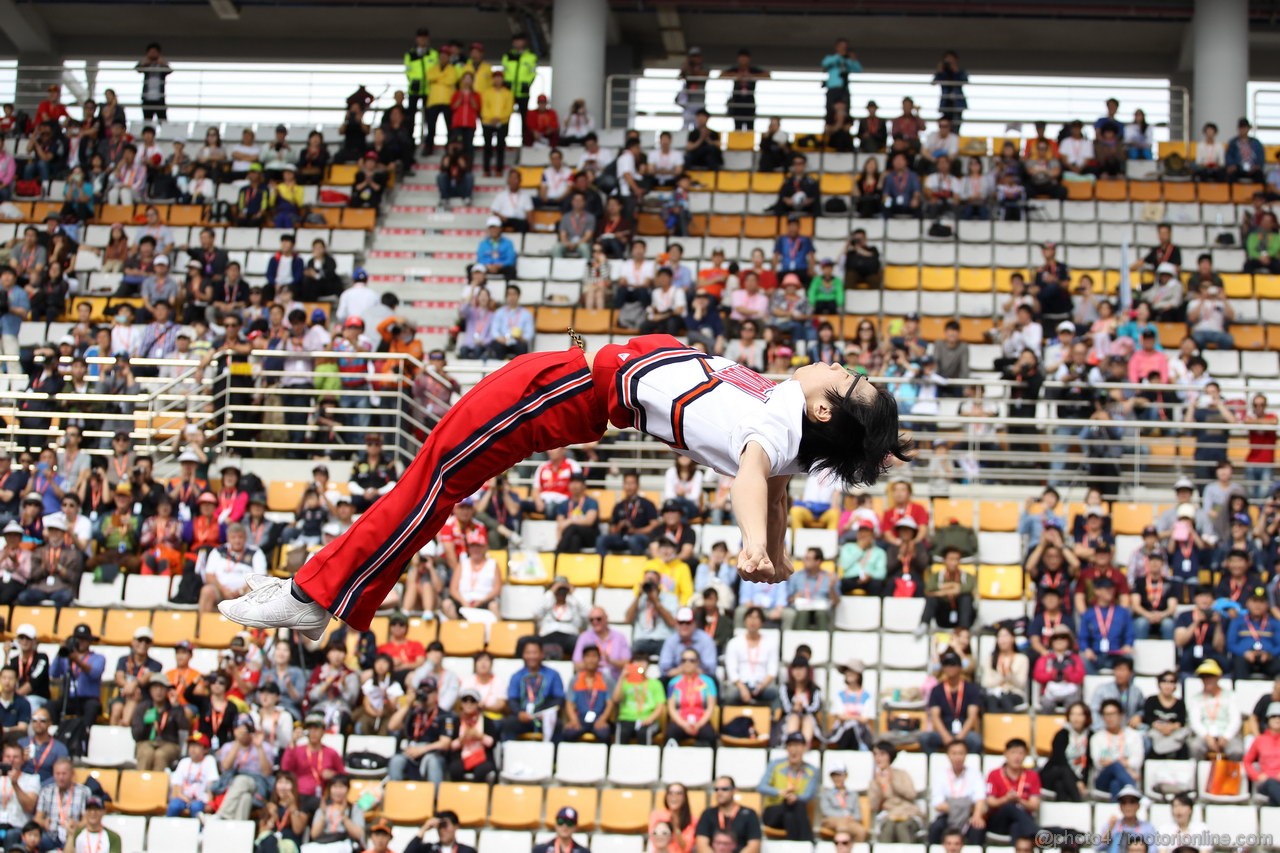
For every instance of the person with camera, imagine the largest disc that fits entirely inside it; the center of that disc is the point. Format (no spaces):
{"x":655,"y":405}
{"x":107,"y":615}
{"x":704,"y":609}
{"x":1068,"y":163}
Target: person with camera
{"x":133,"y":672}
{"x":426,"y":733}
{"x":652,"y":612}
{"x":333,"y":689}
{"x":159,"y":728}
{"x":82,"y":668}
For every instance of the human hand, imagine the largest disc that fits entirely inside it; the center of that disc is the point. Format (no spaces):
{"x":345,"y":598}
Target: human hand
{"x":754,"y":564}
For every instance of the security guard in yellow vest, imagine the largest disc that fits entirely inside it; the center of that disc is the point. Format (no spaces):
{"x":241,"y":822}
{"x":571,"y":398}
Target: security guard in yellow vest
{"x":520,"y":66}
{"x":417,"y":60}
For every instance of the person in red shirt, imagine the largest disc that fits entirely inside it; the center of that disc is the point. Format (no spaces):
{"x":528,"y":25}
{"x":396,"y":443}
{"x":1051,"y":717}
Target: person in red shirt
{"x":406,"y":654}
{"x":52,"y":108}
{"x":312,"y":763}
{"x":1262,"y":448}
{"x":544,"y":124}
{"x":1100,"y":567}
{"x":1262,"y":761}
{"x":465,"y":113}
{"x":902,"y":505}
{"x":459,"y":531}
{"x":551,"y":480}
{"x":1013,"y":794}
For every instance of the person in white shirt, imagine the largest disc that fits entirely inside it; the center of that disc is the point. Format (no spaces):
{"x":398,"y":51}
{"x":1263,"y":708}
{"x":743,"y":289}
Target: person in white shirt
{"x":191,"y":782}
{"x":274,"y":721}
{"x":513,"y":205}
{"x":751,"y":664}
{"x":1117,"y":751}
{"x":1024,"y":334}
{"x":1213,"y":717}
{"x":1075,"y":152}
{"x":244,"y":155}
{"x":638,"y":271}
{"x":594,"y":158}
{"x":18,"y":790}
{"x":358,"y":299}
{"x":89,"y":835}
{"x":227,"y":569}
{"x":476,"y":583}
{"x":941,"y":189}
{"x":556,"y":180}
{"x":631,"y":187}
{"x":665,"y":163}
{"x":1211,"y":155}
{"x":941,"y":143}
{"x":1183,"y":829}
{"x":950,"y":783}
{"x":667,"y":306}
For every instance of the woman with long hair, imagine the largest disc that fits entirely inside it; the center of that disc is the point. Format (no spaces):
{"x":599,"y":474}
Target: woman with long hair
{"x":1165,"y":716}
{"x":337,"y":822}
{"x":852,"y":712}
{"x":282,"y":821}
{"x":471,"y":756}
{"x":233,"y":500}
{"x":1005,"y":678}
{"x":683,"y":484}
{"x":675,"y":814}
{"x":1067,"y":771}
{"x":868,"y":194}
{"x":801,"y":700}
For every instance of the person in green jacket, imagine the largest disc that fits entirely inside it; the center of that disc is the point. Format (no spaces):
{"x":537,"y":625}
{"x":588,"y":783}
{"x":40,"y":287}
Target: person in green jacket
{"x":825,"y":289}
{"x":417,"y":60}
{"x":520,"y":67}
{"x":92,"y":836}
{"x":1263,"y":246}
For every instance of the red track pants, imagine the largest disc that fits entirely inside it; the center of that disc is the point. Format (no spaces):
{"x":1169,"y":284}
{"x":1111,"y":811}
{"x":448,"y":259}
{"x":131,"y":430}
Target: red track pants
{"x":534,"y":403}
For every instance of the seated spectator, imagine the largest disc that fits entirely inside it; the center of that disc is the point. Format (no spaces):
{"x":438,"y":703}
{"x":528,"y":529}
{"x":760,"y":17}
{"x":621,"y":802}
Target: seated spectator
{"x":653,"y":615}
{"x":1155,"y":601}
{"x":751,"y":663}
{"x":90,"y":827}
{"x":289,"y":680}
{"x":577,"y":229}
{"x":559,"y":619}
{"x":276,"y":723}
{"x":406,"y":654}
{"x":702,"y":150}
{"x":1122,"y":689}
{"x":192,"y":781}
{"x":799,"y":191}
{"x":1059,"y":672}
{"x":788,"y":785}
{"x":1199,"y":634}
{"x":447,"y":681}
{"x":686,"y":640}
{"x":666,"y":310}
{"x":691,"y":698}
{"x":425,"y":731}
{"x":948,"y":594}
{"x":476,"y":584}
{"x":1215,"y":722}
{"x":863,"y":564}
{"x":513,"y":205}
{"x":896,"y":817}
{"x":1116,"y":751}
{"x":534,"y":696}
{"x":747,"y":349}
{"x":954,"y":709}
{"x":455,"y":180}
{"x":336,"y":820}
{"x":840,"y":810}
{"x":1237,"y":584}
{"x":496,"y":252}
{"x":312,"y":762}
{"x":633,"y":520}
{"x":60,"y":806}
{"x":811,"y":594}
{"x":1068,"y":769}
{"x":1165,"y":717}
{"x":56,"y":567}
{"x":1253,"y":639}
{"x":471,"y":753}
{"x":1005,"y":678}
{"x":228,"y":568}
{"x":333,"y":689}
{"x":1106,"y":629}
{"x":134,"y":670}
{"x":1245,"y":157}
{"x":801,"y":700}
{"x":1013,"y":794}
{"x":905,"y":562}
{"x":1262,"y":761}
{"x":615,"y":649}
{"x":1209,"y":313}
{"x":1044,"y":173}
{"x":249,"y":764}
{"x":901,"y":192}
{"x":958,"y":796}
{"x":589,"y":705}
{"x":852,"y":712}
{"x":1123,"y":830}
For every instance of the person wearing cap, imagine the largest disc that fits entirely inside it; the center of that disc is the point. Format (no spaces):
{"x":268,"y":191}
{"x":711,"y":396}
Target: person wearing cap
{"x":839,"y":809}
{"x":15,"y":562}
{"x":788,"y":785}
{"x":312,"y":762}
{"x":1059,"y":671}
{"x":159,"y":727}
{"x":1094,"y":550}
{"x":29,"y":663}
{"x":228,"y":567}
{"x":89,"y":835}
{"x":192,"y":780}
{"x":187,"y":488}
{"x":1121,"y":830}
{"x":1253,"y":638}
{"x":496,"y":252}
{"x":250,"y":763}
{"x":458,"y":533}
{"x":1213,"y":717}
{"x":566,"y":823}
{"x":1238,"y":579}
{"x":160,"y":286}
{"x":56,"y":567}
{"x":954,"y":709}
{"x":1106,"y":628}
{"x":1154,"y":601}
{"x":1116,"y":750}
{"x":134,"y":670}
{"x":560,"y":618}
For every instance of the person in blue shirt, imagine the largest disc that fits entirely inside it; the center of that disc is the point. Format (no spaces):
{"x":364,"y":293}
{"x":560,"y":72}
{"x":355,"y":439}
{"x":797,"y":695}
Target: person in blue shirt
{"x":951,"y":77}
{"x":838,"y":65}
{"x":534,"y":696}
{"x":793,"y":252}
{"x":511,"y":327}
{"x":1245,"y":157}
{"x":496,"y":252}
{"x":589,"y":704}
{"x":901,"y":189}
{"x":1031,"y":525}
{"x":84,"y":668}
{"x":1253,"y":639}
{"x":686,"y":637}
{"x":1106,"y":629}
{"x":769,"y":597}
{"x":41,"y":749}
{"x":578,"y":518}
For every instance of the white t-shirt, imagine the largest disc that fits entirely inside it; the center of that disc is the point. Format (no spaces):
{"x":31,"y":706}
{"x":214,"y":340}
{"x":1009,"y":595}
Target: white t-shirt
{"x":671,"y":299}
{"x":513,"y":205}
{"x":754,"y":408}
{"x":11,"y":812}
{"x":626,"y":166}
{"x":751,"y":665}
{"x":557,"y":181}
{"x":356,"y":301}
{"x":233,"y":573}
{"x":194,"y":779}
{"x":241,"y":167}
{"x":92,"y":842}
{"x":818,"y":488}
{"x":1212,"y":315}
{"x":948,"y":186}
{"x":635,"y":276}
{"x":595,"y":162}
{"x":476,"y":584}
{"x":1075,"y":152}
{"x":670,"y":163}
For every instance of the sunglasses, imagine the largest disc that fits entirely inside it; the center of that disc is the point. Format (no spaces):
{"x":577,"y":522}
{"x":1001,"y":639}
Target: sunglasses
{"x":857,"y":377}
{"x":564,"y":822}
{"x":596,"y":619}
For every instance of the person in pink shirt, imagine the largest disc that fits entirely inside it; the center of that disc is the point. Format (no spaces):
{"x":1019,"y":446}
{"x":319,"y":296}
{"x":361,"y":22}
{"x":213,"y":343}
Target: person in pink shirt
{"x":749,"y":302}
{"x":615,"y":649}
{"x":1262,"y":761}
{"x":1148,"y":359}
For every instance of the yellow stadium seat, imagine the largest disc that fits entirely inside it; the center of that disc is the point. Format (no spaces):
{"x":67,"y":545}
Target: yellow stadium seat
{"x":1000,"y":583}
{"x":1179,"y":193}
{"x":44,"y":619}
{"x":553,"y":319}
{"x":592,"y":321}
{"x":1004,"y":275}
{"x":1244,"y":193}
{"x":548,"y":571}
{"x":422,"y":630}
{"x":360,"y":786}
{"x":108,"y":778}
{"x":625,"y":809}
{"x":216,"y":631}
{"x":173,"y":626}
{"x":973,"y":146}
{"x":1046,"y":729}
{"x":1116,"y":189}
{"x":462,"y":638}
{"x":740,"y":140}
{"x":142,"y":793}
{"x":284,"y":495}
{"x":1184,"y":149}
{"x":1144,"y":191}
{"x":766,"y":182}
{"x":901,"y":278}
{"x":499,"y":557}
{"x":408,"y":802}
{"x":582,"y":570}
{"x":702,"y":179}
{"x":1213,"y":193}
{"x":503,"y":637}
{"x":110,"y":214}
{"x":469,"y":799}
{"x":581,"y":800}
{"x":998,"y":516}
{"x":544,"y":220}
{"x":622,"y":571}
{"x":1237,"y":285}
{"x":724,"y":226}
{"x":185,"y":214}
{"x":999,"y":729}
{"x":1249,"y":337}
{"x":70,"y":617}
{"x":834,"y":183}
{"x":530,"y":177}
{"x":359,"y":218}
{"x":120,"y":625}
{"x":1079,"y":190}
{"x":1129,"y":518}
{"x":976,"y":280}
{"x":1266,"y":286}
{"x":760,"y":721}
{"x":733,"y":182}
{"x":342,"y":173}
{"x":938,"y":278}
{"x":516,"y":806}
{"x":760,"y":227}
{"x":946,"y":509}
{"x":753,"y":800}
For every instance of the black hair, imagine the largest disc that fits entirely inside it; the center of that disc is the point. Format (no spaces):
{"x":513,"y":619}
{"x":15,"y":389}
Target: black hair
{"x":447,"y":816}
{"x":859,"y":442}
{"x":1111,"y":703}
{"x":1016,"y":742}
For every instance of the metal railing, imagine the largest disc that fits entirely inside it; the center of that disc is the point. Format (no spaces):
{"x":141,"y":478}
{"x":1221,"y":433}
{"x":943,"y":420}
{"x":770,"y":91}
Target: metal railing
{"x":998,"y":106}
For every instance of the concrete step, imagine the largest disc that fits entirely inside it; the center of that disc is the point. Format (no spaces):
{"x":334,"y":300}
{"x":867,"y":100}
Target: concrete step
{"x":428,"y":243}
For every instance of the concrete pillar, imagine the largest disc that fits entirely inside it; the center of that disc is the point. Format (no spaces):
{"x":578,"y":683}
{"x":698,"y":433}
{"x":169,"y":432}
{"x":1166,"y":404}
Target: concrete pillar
{"x":1221,"y":63}
{"x":579,"y":32}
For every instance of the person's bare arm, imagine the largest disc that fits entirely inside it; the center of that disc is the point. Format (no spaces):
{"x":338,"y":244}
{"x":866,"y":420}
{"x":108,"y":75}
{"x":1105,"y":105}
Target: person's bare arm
{"x":751,"y":506}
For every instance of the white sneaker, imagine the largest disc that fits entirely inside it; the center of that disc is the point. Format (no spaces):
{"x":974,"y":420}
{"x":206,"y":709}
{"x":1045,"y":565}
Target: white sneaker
{"x":270,"y":604}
